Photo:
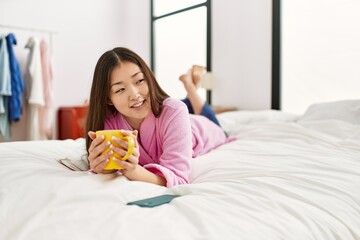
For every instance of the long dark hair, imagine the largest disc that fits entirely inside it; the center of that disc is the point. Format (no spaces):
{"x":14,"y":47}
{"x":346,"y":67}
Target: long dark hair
{"x":99,"y":108}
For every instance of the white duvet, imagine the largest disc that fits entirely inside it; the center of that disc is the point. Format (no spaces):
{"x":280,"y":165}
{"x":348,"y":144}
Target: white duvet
{"x":280,"y":179}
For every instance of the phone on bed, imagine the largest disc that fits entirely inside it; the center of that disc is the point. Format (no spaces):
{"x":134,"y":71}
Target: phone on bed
{"x":154,"y":201}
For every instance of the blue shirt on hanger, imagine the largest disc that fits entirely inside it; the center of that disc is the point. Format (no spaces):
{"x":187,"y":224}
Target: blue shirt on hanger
{"x":5,"y":88}
{"x":17,"y":84}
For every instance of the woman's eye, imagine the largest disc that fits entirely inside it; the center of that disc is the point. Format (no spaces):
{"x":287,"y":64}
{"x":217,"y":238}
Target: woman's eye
{"x":119,"y":90}
{"x":140,"y":81}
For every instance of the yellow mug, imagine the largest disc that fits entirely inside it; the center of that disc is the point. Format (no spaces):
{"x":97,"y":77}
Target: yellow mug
{"x":108,"y":134}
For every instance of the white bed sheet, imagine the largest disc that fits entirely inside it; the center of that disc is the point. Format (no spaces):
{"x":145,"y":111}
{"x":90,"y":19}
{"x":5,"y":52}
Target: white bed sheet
{"x":279,"y":180}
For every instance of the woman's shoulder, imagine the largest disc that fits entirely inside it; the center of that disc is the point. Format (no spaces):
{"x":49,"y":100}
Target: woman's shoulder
{"x":173,"y":103}
{"x":173,"y":107}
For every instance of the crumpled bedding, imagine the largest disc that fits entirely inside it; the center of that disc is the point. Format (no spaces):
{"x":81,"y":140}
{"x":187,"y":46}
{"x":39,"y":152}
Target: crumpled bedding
{"x":279,"y":180}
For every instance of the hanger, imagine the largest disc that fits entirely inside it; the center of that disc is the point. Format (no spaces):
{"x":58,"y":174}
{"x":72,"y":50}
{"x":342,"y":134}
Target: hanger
{"x":30,"y":43}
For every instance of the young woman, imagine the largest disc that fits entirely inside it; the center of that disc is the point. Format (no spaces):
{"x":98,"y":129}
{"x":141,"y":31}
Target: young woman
{"x":125,"y":95}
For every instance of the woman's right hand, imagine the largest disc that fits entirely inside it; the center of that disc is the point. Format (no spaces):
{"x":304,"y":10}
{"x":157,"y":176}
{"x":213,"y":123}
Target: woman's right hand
{"x":97,"y":161}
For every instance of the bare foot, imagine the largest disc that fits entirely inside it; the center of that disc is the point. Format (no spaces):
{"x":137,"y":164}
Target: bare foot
{"x":197,"y":73}
{"x":187,"y":80}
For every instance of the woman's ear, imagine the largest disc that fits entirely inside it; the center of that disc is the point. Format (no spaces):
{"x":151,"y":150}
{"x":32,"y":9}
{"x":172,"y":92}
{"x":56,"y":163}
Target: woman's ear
{"x":109,"y":102}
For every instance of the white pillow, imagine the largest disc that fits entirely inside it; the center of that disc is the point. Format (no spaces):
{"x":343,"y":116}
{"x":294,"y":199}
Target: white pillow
{"x":234,"y":120}
{"x":345,"y":110}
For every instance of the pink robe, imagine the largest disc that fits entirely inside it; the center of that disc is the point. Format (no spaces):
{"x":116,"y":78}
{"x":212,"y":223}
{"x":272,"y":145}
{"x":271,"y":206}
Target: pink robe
{"x":167,"y":143}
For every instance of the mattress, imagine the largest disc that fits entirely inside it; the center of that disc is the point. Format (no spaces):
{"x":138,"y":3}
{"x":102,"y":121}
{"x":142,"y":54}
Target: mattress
{"x":284,"y":177}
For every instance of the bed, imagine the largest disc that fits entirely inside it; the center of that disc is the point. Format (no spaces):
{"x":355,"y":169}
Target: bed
{"x":285,"y":176}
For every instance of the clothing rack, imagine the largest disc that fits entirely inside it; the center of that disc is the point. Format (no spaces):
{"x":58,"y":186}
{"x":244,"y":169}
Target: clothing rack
{"x":49,"y":32}
{"x":28,"y":29}
{"x":23,"y":35}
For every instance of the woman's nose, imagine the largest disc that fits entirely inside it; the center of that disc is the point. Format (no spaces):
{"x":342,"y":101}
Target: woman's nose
{"x":133,"y":93}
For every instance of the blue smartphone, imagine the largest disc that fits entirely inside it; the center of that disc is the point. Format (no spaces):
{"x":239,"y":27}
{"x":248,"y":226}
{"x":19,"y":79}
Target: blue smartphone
{"x":154,"y":201}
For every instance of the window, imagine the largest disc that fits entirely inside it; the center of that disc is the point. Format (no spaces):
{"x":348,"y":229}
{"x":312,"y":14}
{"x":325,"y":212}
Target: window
{"x":180,"y":38}
{"x":320,"y":52}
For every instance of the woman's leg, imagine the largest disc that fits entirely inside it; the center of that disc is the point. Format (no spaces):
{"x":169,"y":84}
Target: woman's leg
{"x":195,"y":104}
{"x":209,"y":113}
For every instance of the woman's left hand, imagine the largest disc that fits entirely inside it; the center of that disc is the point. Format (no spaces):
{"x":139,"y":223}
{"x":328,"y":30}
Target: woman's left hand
{"x":132,"y":162}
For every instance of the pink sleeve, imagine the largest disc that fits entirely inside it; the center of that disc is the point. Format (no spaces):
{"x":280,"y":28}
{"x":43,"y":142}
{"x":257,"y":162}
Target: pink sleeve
{"x":171,"y":178}
{"x":176,"y":139}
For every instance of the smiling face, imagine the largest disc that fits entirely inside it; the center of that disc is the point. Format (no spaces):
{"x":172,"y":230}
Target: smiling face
{"x":129,"y":93}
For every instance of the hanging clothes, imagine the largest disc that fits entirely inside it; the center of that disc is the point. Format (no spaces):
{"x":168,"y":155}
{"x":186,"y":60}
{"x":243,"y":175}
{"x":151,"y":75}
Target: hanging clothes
{"x":5,"y":88}
{"x":17,"y":83}
{"x":46,"y":113}
{"x":35,"y":89}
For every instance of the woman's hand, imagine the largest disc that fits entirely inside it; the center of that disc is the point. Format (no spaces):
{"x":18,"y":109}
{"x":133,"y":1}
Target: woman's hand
{"x":132,"y":163}
{"x":131,"y":168}
{"x":97,"y":161}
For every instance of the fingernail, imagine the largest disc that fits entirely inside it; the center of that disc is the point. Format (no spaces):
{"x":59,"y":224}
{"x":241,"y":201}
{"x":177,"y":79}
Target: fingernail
{"x":108,"y":143}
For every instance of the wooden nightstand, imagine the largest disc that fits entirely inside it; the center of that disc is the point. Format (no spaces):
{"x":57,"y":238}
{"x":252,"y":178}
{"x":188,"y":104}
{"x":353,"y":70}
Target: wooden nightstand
{"x":221,"y":109}
{"x":71,"y":122}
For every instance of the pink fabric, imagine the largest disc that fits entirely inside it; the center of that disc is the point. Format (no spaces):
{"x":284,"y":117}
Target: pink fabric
{"x":45,"y":112}
{"x":169,"y":142}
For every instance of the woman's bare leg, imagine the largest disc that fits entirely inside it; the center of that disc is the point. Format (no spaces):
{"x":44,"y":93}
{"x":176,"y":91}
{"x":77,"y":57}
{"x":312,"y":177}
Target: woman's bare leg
{"x":195,"y":104}
{"x":191,"y":88}
{"x":197,"y":73}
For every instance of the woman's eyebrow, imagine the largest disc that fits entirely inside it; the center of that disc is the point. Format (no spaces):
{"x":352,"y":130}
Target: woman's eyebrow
{"x":134,"y":75}
{"x":117,"y":83}
{"x":120,"y":82}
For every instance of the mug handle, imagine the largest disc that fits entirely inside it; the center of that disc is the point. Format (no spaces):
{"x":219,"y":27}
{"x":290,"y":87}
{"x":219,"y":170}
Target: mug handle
{"x":131,"y":145}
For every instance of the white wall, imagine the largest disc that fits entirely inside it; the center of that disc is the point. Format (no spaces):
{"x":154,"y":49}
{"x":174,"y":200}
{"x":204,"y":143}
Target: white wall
{"x":320,"y":52}
{"x":86,"y":28}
